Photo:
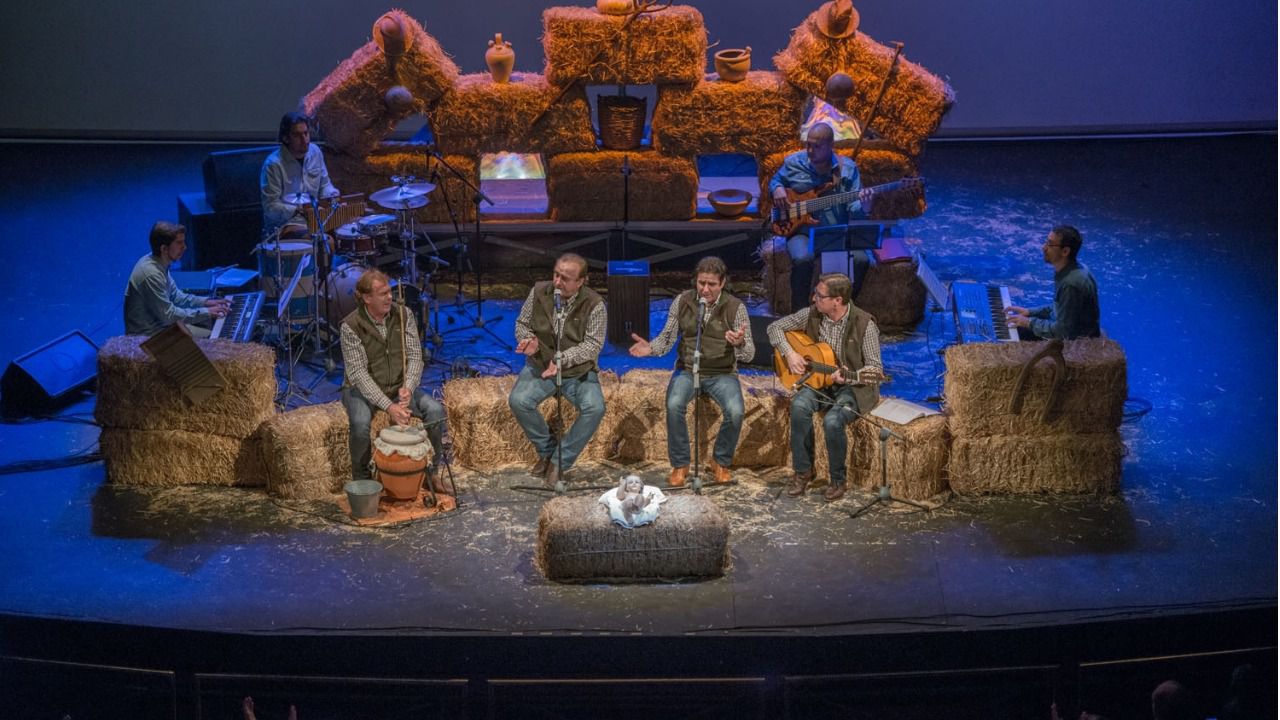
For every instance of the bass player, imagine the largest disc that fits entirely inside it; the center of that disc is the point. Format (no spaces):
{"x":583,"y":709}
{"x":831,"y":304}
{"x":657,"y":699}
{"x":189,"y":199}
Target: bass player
{"x":818,"y":168}
{"x":851,"y":333}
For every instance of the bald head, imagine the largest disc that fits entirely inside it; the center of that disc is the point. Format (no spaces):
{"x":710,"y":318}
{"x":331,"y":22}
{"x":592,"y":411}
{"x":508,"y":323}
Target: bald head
{"x":820,"y":133}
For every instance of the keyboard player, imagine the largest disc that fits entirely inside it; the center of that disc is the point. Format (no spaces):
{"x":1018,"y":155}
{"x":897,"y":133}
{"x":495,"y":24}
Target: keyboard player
{"x":1074,"y":312}
{"x":152,"y":300}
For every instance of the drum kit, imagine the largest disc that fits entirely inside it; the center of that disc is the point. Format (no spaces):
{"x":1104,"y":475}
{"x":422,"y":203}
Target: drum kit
{"x":303,"y":268}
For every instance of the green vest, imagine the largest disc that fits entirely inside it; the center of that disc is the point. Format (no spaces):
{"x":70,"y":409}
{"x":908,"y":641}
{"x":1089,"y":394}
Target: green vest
{"x":855,"y":329}
{"x":575,"y":327}
{"x":385,"y":357}
{"x":717,"y":353}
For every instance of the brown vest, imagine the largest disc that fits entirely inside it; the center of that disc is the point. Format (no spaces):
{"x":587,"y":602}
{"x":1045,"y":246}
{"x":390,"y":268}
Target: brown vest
{"x":855,"y":329}
{"x":386,"y":357}
{"x":575,"y":327}
{"x":717,"y":353}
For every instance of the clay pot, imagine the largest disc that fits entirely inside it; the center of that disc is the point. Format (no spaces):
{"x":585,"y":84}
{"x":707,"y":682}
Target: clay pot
{"x":732,"y":65}
{"x":500,"y":59}
{"x":614,"y":7}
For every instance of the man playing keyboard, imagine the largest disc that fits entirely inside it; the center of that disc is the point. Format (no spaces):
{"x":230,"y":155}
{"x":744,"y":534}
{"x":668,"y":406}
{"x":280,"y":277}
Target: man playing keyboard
{"x":1074,"y":312}
{"x":152,"y":300}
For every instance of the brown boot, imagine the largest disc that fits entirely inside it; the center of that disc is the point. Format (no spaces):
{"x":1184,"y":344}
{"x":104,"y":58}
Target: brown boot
{"x":799,"y":483}
{"x":720,"y":473}
{"x":833,"y":492}
{"x":678,"y":476}
{"x":539,"y":468}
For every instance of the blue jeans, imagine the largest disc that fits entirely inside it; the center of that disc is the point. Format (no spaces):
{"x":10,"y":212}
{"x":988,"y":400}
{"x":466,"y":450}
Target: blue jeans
{"x":582,"y":392}
{"x":805,"y":403}
{"x":726,"y":392}
{"x":360,"y":415}
{"x":806,"y":252}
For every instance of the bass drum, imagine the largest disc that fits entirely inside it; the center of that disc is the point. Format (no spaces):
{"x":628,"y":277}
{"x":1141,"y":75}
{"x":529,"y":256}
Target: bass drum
{"x":340,"y":292}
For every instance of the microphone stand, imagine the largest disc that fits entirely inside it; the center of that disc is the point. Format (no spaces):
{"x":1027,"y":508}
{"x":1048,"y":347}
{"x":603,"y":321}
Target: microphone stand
{"x":477,"y":197}
{"x":883,"y":495}
{"x":697,"y":404}
{"x":559,"y":318}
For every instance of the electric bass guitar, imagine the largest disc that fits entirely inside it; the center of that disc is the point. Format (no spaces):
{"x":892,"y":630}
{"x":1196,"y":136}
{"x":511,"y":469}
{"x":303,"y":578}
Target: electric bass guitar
{"x":820,"y":364}
{"x":797,"y":212}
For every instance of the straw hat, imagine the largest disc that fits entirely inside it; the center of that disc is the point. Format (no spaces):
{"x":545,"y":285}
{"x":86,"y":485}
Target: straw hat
{"x":837,"y":19}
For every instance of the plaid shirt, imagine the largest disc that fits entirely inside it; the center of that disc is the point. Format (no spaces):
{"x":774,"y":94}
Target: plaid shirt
{"x":587,"y":350}
{"x":671,"y":330}
{"x":830,"y":332}
{"x":355,"y":360}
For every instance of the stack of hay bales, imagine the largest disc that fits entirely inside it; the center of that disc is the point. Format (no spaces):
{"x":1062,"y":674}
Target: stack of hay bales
{"x":1073,"y":448}
{"x":641,"y":420}
{"x":578,"y":542}
{"x":481,"y":116}
{"x":153,"y":436}
{"x":486,"y":435}
{"x":306,"y":452}
{"x":373,"y":172}
{"x":915,"y":468}
{"x":588,"y":186}
{"x":758,"y":116}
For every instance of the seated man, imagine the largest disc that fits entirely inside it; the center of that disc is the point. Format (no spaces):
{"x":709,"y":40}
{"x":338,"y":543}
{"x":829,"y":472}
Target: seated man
{"x":726,"y":341}
{"x":382,"y":363}
{"x":1074,"y":312}
{"x":852,"y":335}
{"x":818,"y":167}
{"x":153,"y":302}
{"x":296,"y":166}
{"x":568,"y":314}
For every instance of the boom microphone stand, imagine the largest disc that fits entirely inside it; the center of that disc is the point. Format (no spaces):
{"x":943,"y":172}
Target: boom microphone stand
{"x":477,"y":197}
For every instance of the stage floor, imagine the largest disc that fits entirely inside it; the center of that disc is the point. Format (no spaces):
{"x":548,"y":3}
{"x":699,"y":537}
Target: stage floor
{"x":1179,"y":232}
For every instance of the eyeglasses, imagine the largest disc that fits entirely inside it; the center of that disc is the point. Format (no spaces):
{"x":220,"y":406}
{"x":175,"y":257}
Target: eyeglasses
{"x":1049,"y":244}
{"x":820,"y":296}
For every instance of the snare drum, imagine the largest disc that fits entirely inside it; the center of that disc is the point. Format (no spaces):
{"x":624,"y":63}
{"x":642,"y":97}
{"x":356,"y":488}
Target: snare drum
{"x":302,"y":302}
{"x":353,"y":242}
{"x":376,"y":225}
{"x":400,"y":455}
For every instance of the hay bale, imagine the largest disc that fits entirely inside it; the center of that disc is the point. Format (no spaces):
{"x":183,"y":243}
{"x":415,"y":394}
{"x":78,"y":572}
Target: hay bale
{"x":482,"y":116}
{"x":894,"y":294}
{"x":916,"y":468}
{"x":877,"y":165}
{"x":588,"y":186}
{"x":641,"y":420}
{"x":578,"y":542}
{"x":373,"y":172}
{"x":1010,"y":464}
{"x":169,"y":458}
{"x":306,"y":452}
{"x":485,"y":432}
{"x":349,"y":103}
{"x":658,"y":48}
{"x":758,"y":116}
{"x":134,"y":393}
{"x":776,"y":278}
{"x":981,"y":376}
{"x":913,"y":104}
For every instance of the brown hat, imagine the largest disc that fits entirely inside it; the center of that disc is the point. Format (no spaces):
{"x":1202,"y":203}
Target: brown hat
{"x":837,"y":19}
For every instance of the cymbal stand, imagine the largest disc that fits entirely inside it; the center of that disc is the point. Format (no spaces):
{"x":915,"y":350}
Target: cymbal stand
{"x":409,"y":258}
{"x":323,"y":254}
{"x":462,"y":260}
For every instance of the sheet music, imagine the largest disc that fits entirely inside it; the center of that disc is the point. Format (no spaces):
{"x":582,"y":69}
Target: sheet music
{"x":901,"y":412}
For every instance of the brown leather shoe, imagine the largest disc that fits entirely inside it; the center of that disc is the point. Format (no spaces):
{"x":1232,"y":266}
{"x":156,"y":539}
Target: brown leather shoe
{"x":833,"y":492}
{"x":539,"y":468}
{"x":554,"y":475}
{"x":678,"y":476}
{"x":720,"y":472}
{"x":799,"y":482}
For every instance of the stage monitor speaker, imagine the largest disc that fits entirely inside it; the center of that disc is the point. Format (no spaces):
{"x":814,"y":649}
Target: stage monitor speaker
{"x":628,"y":301}
{"x":218,"y":238}
{"x":44,"y":378}
{"x":232,"y":177}
{"x":760,"y":338}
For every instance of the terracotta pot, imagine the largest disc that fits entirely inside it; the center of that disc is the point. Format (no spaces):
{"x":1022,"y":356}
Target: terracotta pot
{"x":614,"y":7}
{"x":401,"y":476}
{"x":732,"y":65}
{"x":500,"y":58}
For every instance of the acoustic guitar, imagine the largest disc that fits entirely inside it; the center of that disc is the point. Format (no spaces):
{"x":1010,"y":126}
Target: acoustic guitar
{"x":820,"y":364}
{"x":798,"y":211}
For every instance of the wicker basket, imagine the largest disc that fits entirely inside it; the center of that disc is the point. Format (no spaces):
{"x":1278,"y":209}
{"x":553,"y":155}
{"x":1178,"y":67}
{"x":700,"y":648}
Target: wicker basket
{"x":621,"y":121}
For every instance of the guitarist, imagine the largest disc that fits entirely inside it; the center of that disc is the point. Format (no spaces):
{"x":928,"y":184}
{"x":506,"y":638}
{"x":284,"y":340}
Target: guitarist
{"x":818,"y":168}
{"x":852,"y":334}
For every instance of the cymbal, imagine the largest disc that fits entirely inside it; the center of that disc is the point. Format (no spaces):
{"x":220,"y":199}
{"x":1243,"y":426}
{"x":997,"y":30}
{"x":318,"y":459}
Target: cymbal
{"x":408,"y":203}
{"x":297,"y":198}
{"x":400,"y":192}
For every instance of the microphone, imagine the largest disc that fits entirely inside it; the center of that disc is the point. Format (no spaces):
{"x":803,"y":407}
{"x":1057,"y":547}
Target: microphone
{"x":556,"y":293}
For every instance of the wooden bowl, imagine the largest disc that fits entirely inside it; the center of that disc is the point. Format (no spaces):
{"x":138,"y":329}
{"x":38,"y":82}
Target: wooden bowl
{"x":729,"y":202}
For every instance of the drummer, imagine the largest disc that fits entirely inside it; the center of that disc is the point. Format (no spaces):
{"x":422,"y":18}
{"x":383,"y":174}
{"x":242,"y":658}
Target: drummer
{"x":382,"y":357}
{"x":295,"y":167}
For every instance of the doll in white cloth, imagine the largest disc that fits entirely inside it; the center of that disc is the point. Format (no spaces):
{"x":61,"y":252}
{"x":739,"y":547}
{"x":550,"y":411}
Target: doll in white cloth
{"x":633,"y":503}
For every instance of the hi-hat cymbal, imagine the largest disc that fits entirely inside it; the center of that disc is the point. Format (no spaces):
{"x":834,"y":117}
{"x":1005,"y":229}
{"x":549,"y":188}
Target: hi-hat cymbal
{"x":297,"y":198}
{"x":408,"y":203}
